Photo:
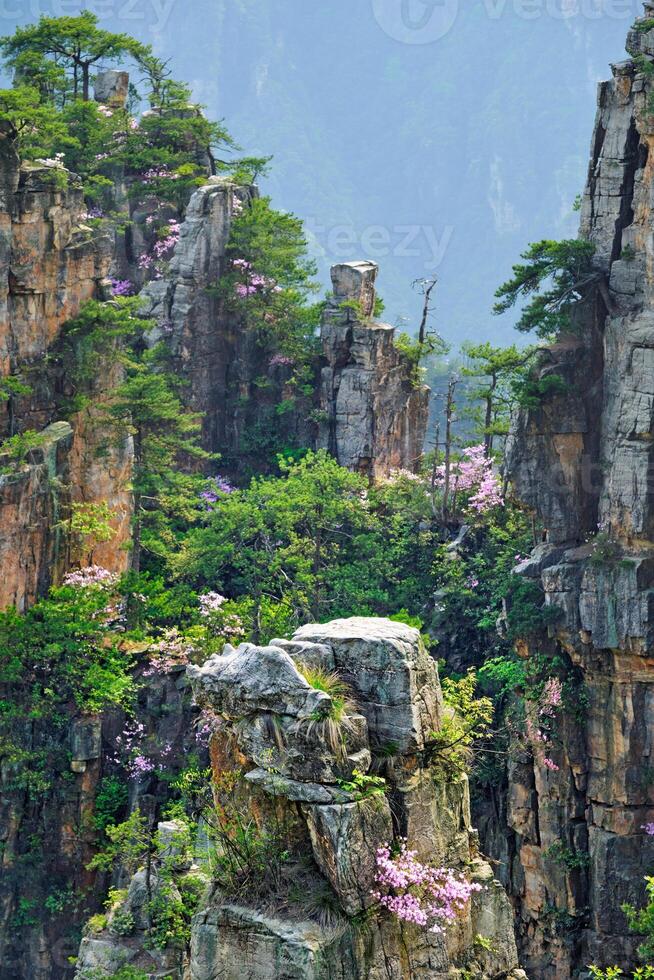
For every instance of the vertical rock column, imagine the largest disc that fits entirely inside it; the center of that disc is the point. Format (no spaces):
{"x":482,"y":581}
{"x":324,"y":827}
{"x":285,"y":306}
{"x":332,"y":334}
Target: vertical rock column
{"x":585,"y":462}
{"x":272,"y":720}
{"x":375,"y":410}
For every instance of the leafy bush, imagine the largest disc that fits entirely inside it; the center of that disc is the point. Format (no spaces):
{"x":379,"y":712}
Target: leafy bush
{"x":466,"y":721}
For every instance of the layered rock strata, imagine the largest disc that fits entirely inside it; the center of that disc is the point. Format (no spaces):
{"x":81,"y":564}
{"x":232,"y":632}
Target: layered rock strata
{"x":584,"y":462}
{"x":279,"y":724}
{"x":375,"y":408}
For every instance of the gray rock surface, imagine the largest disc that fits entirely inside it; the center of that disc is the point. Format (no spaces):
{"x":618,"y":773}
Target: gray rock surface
{"x":376,"y":413}
{"x":112,"y":87}
{"x":395,"y":685}
{"x":345,"y":838}
{"x":393,"y":678}
{"x":584,"y":461}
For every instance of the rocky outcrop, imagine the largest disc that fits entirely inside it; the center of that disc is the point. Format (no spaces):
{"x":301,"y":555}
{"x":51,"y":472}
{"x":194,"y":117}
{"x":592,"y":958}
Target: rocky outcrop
{"x":340,"y":815}
{"x":583,"y":461}
{"x":368,"y":409}
{"x":375,"y":409}
{"x":50,"y":263}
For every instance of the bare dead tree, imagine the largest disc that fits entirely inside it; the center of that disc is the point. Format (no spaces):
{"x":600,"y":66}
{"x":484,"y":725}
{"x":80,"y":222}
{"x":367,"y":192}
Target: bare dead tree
{"x":450,"y":410}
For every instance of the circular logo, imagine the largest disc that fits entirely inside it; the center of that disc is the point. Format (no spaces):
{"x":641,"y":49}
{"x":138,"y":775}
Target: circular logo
{"x":416,"y":21}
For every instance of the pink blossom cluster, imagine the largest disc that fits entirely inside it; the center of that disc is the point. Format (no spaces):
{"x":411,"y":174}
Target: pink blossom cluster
{"x":122,"y":287}
{"x":536,"y":727}
{"x":168,"y":241}
{"x":208,"y":724}
{"x":648,"y":828}
{"x":105,"y":111}
{"x":82,"y":578}
{"x":254,"y":283}
{"x":158,"y":173}
{"x":420,"y":893}
{"x":280,"y":360}
{"x":170,"y":653}
{"x":129,"y":753}
{"x":488,"y":495}
{"x":552,"y":697}
{"x":401,"y":474}
{"x":474,"y":473}
{"x":162,"y":248}
{"x":211,"y":603}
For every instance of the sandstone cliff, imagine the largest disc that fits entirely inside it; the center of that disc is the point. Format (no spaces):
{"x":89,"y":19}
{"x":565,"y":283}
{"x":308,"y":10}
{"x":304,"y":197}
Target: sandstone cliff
{"x":583,"y":461}
{"x":297,"y":778}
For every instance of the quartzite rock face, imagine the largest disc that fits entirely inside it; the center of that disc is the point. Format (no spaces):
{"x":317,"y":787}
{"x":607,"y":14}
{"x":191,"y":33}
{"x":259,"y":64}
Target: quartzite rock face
{"x":375,"y":412}
{"x":585,"y":461}
{"x":395,"y":686}
{"x":372,"y":415}
{"x":394,"y":679}
{"x":50,"y":263}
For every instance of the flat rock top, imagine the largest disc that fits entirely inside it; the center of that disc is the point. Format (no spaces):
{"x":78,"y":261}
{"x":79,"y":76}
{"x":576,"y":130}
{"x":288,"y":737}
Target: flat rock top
{"x":359,"y":628}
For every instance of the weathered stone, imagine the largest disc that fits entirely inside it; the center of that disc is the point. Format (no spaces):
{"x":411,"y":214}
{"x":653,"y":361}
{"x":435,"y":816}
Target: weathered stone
{"x":305,"y":749}
{"x":173,"y":841}
{"x":236,"y":943}
{"x":112,"y":88}
{"x":345,"y":839}
{"x":86,"y":739}
{"x":101,"y":955}
{"x":584,"y":460}
{"x":292,"y":789}
{"x":393,"y":678}
{"x":435,"y":817}
{"x":375,"y":412}
{"x":50,"y":263}
{"x":251,"y":679}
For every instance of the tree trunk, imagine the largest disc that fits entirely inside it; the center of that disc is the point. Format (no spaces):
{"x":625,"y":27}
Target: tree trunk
{"x":449,"y":417}
{"x":136,"y":535}
{"x":488,"y":435}
{"x":86,"y":72}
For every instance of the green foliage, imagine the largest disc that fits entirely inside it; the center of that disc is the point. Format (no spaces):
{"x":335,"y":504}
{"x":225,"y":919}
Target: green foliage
{"x":532,"y":391}
{"x":571,"y":860}
{"x":554,"y":279}
{"x":13,"y":387}
{"x":68,"y":48}
{"x":644,"y":26}
{"x":31,"y":125}
{"x":466,"y":721}
{"x":110,"y":799}
{"x":416,"y":352}
{"x":164,"y":157}
{"x":641,"y":921}
{"x":501,"y":676}
{"x":128,"y":844}
{"x":331,"y":684}
{"x":498,"y":371}
{"x":363,"y":785}
{"x":613,"y":972}
{"x":147,"y":406}
{"x":269,"y":283}
{"x":17,"y":449}
{"x":62,"y":651}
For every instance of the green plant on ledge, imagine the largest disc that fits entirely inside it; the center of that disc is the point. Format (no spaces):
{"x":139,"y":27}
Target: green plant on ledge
{"x":466,"y":721}
{"x":363,"y":785}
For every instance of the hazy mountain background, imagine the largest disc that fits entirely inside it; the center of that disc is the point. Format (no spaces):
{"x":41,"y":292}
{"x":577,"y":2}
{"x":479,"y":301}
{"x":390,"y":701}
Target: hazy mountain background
{"x":447,"y":156}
